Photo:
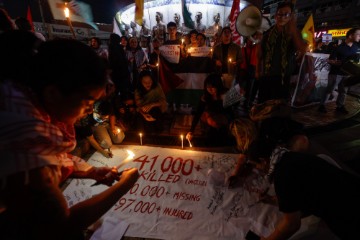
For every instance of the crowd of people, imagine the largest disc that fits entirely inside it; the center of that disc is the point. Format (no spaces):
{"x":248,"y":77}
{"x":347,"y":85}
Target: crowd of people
{"x":58,"y":97}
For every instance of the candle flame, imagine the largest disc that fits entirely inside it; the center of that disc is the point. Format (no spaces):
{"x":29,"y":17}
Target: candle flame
{"x":67,"y":12}
{"x":131,"y":155}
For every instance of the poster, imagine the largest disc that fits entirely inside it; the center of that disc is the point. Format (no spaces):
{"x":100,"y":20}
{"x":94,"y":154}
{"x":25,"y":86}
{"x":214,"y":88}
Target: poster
{"x":312,"y":79}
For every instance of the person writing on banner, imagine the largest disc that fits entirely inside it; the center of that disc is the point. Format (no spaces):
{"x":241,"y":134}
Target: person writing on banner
{"x":311,"y":185}
{"x":211,"y":112}
{"x":337,"y":78}
{"x":40,"y":104}
{"x":227,"y":57}
{"x":99,"y":128}
{"x":277,"y":55}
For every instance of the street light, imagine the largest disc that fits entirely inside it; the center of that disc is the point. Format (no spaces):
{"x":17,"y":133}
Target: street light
{"x":67,"y":15}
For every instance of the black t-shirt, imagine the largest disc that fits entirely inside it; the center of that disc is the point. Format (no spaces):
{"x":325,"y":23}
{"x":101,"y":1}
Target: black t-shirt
{"x":309,"y":184}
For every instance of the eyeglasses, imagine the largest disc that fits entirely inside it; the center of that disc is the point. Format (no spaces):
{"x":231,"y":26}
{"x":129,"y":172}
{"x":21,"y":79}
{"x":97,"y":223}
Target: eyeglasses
{"x":286,"y":15}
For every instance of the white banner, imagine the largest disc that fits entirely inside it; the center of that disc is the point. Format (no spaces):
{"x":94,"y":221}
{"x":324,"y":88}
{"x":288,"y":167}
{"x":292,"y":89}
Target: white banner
{"x":183,"y":194}
{"x":170,"y":53}
{"x":199,"y":51}
{"x":63,"y":31}
{"x":79,"y":11}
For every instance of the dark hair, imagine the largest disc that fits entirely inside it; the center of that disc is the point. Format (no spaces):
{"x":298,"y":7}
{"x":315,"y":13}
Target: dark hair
{"x":225,"y":28}
{"x":201,"y":34}
{"x":140,"y":87}
{"x":69,"y":65}
{"x":104,"y":107}
{"x":193,"y":32}
{"x":285,"y":4}
{"x":23,"y":24}
{"x":17,"y":52}
{"x":97,"y":40}
{"x":5,"y":21}
{"x":122,"y":37}
{"x":171,"y":24}
{"x":114,"y":39}
{"x":351,"y":32}
{"x":215,"y":81}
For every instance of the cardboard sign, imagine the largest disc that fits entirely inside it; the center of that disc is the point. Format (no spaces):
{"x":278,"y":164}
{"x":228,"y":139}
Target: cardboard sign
{"x":199,"y":51}
{"x":171,"y":53}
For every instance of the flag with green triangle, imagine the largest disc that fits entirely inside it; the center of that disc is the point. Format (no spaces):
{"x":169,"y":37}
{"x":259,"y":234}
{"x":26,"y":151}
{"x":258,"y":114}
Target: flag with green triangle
{"x":187,"y":15}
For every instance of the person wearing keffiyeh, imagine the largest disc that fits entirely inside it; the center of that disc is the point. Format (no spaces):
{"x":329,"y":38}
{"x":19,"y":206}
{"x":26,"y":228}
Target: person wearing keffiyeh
{"x":277,"y":55}
{"x":43,"y":91}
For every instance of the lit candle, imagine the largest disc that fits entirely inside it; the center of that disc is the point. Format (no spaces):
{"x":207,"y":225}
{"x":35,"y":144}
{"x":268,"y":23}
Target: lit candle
{"x":118,"y":130}
{"x":229,"y":60}
{"x":182,"y":41}
{"x":66,"y":12}
{"x":182,"y":141}
{"x":140,"y":134}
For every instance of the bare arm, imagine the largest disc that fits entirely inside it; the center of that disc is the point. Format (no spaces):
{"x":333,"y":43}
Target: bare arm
{"x":97,"y":147}
{"x":87,"y":212}
{"x":287,"y":226}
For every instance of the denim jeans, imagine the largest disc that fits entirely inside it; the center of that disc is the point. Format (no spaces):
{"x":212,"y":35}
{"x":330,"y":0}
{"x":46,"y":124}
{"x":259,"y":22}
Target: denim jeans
{"x":333,"y":81}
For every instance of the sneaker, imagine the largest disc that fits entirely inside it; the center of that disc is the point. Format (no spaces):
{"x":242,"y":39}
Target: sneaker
{"x":322,"y":109}
{"x":342,"y":109}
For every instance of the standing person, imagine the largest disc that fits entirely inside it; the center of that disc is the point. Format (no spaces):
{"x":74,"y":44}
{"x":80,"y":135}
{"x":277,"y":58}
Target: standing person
{"x":118,"y":63}
{"x":124,"y":42}
{"x":227,"y":57}
{"x":154,"y":58}
{"x":247,"y":68}
{"x":277,"y":55}
{"x":95,"y":44}
{"x":137,"y":61}
{"x":24,"y":24}
{"x":337,"y":78}
{"x":150,"y":101}
{"x":40,"y":112}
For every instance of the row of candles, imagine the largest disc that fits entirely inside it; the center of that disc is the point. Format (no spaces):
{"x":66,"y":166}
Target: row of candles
{"x":141,"y":138}
{"x":181,"y":137}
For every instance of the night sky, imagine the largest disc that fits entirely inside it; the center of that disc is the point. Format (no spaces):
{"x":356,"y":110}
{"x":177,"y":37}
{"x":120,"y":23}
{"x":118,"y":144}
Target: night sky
{"x":103,"y":10}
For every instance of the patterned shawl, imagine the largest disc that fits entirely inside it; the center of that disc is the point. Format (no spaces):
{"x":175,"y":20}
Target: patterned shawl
{"x":270,"y":48}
